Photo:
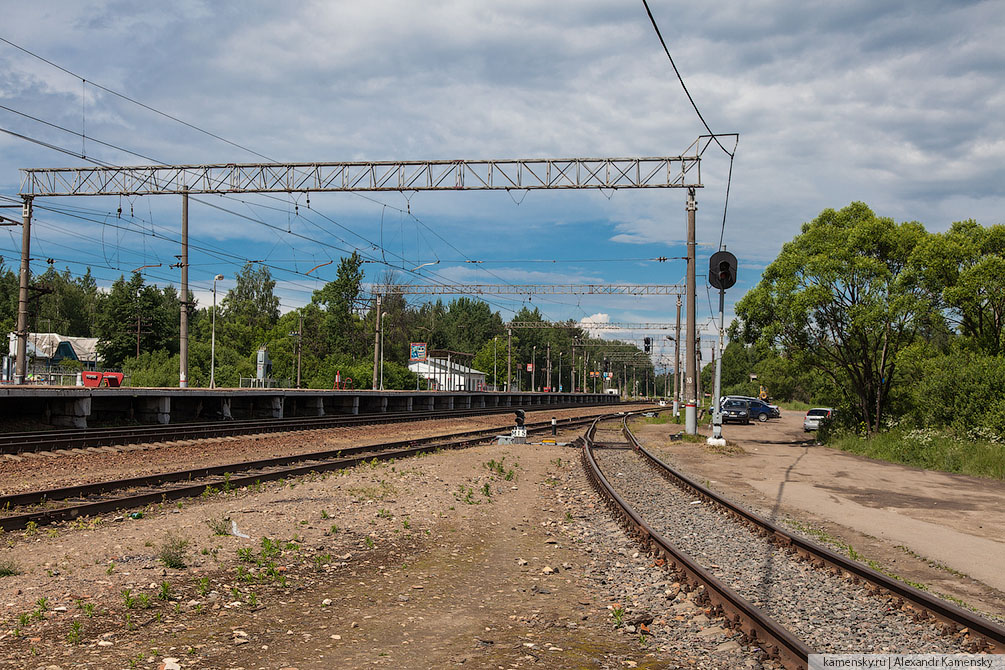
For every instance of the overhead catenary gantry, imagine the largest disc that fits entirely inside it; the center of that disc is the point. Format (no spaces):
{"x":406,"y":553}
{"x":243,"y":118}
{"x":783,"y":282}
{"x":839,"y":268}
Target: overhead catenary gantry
{"x":528,"y":289}
{"x":681,"y":171}
{"x":607,"y":325}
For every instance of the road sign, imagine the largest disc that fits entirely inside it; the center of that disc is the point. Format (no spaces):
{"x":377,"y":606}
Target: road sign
{"x":417,"y":351}
{"x":530,"y":367}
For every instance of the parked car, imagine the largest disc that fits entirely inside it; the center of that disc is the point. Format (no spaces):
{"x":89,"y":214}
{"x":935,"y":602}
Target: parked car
{"x":737,"y":410}
{"x":815,"y":417}
{"x":758,"y":409}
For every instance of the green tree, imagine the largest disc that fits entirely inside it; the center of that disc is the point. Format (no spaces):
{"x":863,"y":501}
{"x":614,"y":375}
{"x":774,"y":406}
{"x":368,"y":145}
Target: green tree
{"x":339,"y":302}
{"x":133,"y":311}
{"x":249,"y":310}
{"x":964,"y":270}
{"x":839,"y":299}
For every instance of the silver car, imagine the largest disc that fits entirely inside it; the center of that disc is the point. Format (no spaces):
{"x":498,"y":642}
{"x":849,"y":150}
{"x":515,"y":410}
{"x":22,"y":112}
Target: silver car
{"x":815,"y":417}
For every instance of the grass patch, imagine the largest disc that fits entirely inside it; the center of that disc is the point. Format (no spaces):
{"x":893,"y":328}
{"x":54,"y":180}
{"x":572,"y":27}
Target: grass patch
{"x":172,"y":552}
{"x":380,"y":492}
{"x":929,"y":449}
{"x":795,"y":406}
{"x":9,"y":568}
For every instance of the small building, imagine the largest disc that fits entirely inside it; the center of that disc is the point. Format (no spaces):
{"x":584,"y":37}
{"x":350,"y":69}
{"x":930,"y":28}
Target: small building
{"x":47,"y":350}
{"x":445,"y":375}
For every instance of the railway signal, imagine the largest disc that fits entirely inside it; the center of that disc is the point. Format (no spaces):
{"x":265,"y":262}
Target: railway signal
{"x":721,"y":275}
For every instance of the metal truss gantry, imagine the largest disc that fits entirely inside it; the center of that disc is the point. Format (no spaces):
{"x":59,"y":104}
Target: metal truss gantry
{"x":447,"y":175}
{"x":528,"y":289}
{"x":589,"y":326}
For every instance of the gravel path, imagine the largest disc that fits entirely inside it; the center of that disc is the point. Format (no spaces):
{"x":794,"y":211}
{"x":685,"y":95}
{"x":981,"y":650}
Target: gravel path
{"x":828,"y":613}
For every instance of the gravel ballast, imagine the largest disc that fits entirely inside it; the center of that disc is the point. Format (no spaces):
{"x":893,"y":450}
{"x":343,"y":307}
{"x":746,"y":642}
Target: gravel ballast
{"x":830,"y":614}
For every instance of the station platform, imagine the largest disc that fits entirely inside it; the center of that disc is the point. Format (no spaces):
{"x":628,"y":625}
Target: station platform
{"x":73,"y":406}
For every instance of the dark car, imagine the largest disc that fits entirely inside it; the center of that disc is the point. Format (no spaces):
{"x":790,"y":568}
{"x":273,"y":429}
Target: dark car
{"x":736,"y":410}
{"x":761,"y":410}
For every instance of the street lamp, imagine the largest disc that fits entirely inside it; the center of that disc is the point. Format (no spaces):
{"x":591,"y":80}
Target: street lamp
{"x":533,"y":368}
{"x":212,"y":348}
{"x":382,"y":317}
{"x":495,"y":373}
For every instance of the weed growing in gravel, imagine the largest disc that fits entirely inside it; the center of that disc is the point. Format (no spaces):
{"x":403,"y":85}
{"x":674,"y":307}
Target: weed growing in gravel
{"x":209,"y":491}
{"x":30,"y":528}
{"x":8,"y":567}
{"x":333,"y":530}
{"x":219,"y":526}
{"x":568,"y":517}
{"x":486,"y":490}
{"x":320,"y":560}
{"x":129,"y":622}
{"x":24,"y":618}
{"x":619,"y":616}
{"x":203,"y":586}
{"x":165,"y":592}
{"x":252,"y":600}
{"x":172,"y":551}
{"x":111,"y":568}
{"x":235,"y":592}
{"x":405,"y":524}
{"x":127,"y":599}
{"x":89,"y":609}
{"x":324,"y":514}
{"x":379,"y":492}
{"x":42,"y":604}
{"x":383,"y":513}
{"x":369,"y":542}
{"x":465,"y":494}
{"x":73,"y":637}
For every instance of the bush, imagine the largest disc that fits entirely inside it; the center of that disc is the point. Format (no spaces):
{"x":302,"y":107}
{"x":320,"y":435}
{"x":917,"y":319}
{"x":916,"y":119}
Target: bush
{"x":962,"y":391}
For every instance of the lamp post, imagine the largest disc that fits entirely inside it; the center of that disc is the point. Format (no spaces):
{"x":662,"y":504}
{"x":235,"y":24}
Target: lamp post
{"x":212,"y":346}
{"x":495,"y":365}
{"x":533,"y":368}
{"x":381,"y":326}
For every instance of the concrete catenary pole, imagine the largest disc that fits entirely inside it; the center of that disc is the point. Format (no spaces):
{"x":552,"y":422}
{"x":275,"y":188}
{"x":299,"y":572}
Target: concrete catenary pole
{"x":676,"y":365}
{"x":376,"y":343}
{"x":509,"y":358}
{"x":690,"y":391}
{"x":548,"y":366}
{"x":183,"y":261}
{"x":21,"y":364}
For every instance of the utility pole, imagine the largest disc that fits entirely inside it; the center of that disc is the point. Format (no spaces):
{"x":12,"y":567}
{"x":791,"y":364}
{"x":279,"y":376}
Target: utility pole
{"x":676,"y":365}
{"x":690,"y":392}
{"x":697,"y":378}
{"x":509,"y":359}
{"x":376,"y":343}
{"x":183,"y":261}
{"x":572,"y":371}
{"x":300,"y":340}
{"x":21,"y":366}
{"x":548,"y":366}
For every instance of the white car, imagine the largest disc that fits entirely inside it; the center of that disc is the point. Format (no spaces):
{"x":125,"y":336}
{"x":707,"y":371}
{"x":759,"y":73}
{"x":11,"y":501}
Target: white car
{"x":815,"y":417}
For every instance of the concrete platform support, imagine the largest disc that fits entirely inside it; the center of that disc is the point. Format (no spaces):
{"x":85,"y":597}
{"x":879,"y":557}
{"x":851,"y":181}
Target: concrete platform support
{"x":71,"y":412}
{"x":153,"y":409}
{"x":277,"y":405}
{"x":313,"y":406}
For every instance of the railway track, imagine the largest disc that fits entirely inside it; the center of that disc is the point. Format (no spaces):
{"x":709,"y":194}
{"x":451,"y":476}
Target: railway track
{"x":53,"y":440}
{"x":790,"y":596}
{"x":71,"y":502}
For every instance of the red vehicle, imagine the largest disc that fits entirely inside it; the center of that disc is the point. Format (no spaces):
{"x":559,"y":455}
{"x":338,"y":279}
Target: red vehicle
{"x":96,"y":379}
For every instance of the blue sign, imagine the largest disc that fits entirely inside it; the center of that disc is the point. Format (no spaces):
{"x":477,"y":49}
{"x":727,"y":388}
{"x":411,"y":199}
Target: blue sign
{"x":417,"y":351}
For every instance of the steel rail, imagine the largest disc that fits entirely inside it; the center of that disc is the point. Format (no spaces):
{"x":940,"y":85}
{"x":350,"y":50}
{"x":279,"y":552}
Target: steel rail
{"x":49,"y":440}
{"x":263,"y":470}
{"x":738,"y":612}
{"x":921,"y":603}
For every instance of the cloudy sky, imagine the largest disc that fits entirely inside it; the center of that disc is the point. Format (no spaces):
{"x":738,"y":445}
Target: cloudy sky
{"x":898,"y":104}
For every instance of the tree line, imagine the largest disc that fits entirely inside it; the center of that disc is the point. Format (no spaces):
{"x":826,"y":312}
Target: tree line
{"x":138,"y":329}
{"x":885,"y":321}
